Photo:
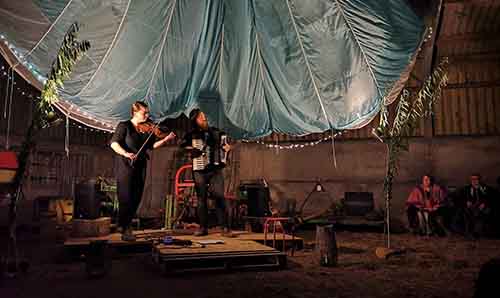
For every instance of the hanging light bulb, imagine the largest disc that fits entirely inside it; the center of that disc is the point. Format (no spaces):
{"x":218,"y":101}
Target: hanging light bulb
{"x":319,"y":187}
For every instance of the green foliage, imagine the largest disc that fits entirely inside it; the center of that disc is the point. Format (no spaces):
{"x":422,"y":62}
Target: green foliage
{"x":409,"y":111}
{"x":69,"y":53}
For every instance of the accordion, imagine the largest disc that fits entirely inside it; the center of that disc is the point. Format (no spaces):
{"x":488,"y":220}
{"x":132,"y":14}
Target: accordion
{"x":213,"y":155}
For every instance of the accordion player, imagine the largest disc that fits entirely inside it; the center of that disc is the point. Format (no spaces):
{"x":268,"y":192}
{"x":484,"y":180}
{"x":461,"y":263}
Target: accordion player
{"x":207,"y":149}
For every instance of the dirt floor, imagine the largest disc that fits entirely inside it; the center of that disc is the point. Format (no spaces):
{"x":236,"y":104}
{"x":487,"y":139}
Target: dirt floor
{"x":431,"y":267}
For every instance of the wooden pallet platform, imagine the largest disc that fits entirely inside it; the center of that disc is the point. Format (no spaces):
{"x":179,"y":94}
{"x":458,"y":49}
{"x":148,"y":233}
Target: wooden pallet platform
{"x":229,"y":253}
{"x":145,"y":238}
{"x":114,"y":239}
{"x":77,"y":246}
{"x":290,"y":241}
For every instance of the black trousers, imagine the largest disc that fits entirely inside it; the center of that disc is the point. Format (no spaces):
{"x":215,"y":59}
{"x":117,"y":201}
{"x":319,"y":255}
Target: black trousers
{"x":472,"y":221}
{"x":130,"y":185}
{"x":214,"y":178}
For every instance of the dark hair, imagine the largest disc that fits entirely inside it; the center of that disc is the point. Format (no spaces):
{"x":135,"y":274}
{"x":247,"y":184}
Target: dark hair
{"x":431,"y":178}
{"x":193,"y":115}
{"x":137,"y":106}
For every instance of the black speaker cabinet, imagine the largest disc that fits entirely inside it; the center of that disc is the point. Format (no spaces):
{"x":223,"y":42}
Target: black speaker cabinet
{"x":258,"y":197}
{"x":87,"y":200}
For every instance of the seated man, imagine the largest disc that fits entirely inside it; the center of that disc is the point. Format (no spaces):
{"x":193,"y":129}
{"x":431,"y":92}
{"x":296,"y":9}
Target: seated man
{"x":473,"y":203}
{"x":424,"y":208}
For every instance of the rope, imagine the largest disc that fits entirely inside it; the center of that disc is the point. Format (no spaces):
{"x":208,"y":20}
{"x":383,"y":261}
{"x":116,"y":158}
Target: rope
{"x":66,"y":137}
{"x":10,"y":93}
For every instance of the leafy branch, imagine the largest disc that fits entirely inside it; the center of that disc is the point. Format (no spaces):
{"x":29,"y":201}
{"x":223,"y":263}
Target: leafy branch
{"x":43,"y":116}
{"x":69,"y":54}
{"x":409,"y":111}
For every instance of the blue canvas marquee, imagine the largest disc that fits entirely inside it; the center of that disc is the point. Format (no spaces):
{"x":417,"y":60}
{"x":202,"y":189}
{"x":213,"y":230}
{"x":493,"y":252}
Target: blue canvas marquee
{"x":255,"y":66}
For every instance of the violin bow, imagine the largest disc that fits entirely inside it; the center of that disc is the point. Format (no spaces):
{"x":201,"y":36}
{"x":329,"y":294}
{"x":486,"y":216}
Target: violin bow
{"x":145,"y":142}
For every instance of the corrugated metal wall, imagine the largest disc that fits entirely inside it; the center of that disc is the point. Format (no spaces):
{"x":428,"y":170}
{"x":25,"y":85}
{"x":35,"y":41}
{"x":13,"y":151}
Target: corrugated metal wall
{"x":470,"y":104}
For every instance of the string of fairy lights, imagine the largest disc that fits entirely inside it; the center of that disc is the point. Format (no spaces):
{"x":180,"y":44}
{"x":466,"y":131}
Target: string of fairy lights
{"x":294,"y":146}
{"x":290,"y":146}
{"x":427,"y":36}
{"x":5,"y":72}
{"x":29,"y":94}
{"x":22,"y":57}
{"x":276,"y":146}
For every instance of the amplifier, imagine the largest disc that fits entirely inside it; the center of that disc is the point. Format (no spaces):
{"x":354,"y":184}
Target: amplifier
{"x":88,"y":199}
{"x":258,"y":197}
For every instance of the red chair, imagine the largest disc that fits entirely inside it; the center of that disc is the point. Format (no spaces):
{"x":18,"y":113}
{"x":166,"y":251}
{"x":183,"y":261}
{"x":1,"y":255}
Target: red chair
{"x":180,"y":183}
{"x":8,"y":169}
{"x":279,"y":220}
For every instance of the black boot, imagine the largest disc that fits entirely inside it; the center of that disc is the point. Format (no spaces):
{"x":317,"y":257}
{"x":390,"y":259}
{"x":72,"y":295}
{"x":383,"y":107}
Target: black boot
{"x":128,"y":235}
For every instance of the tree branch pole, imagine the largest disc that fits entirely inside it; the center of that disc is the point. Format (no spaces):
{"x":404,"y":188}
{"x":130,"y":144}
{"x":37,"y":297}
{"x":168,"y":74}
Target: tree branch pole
{"x":388,"y":194}
{"x":43,"y":116}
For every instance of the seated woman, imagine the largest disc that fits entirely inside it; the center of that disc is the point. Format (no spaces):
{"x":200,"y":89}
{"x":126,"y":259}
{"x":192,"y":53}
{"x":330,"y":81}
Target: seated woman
{"x":424,"y":208}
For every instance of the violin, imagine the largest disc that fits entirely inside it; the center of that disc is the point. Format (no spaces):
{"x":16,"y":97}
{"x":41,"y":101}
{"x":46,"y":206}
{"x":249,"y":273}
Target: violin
{"x":150,"y":127}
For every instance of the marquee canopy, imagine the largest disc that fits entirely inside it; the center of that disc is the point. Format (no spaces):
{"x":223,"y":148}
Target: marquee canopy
{"x":255,"y":66}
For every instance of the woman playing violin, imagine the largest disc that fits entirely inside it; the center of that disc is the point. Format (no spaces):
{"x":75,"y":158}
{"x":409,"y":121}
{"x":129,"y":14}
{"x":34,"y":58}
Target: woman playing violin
{"x":130,"y":141}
